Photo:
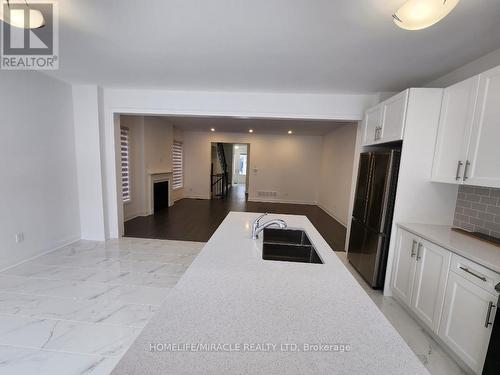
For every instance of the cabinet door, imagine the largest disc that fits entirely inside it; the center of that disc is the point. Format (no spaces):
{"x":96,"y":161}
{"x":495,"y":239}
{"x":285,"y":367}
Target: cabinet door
{"x":373,"y":120}
{"x":404,"y":265}
{"x":463,"y":325}
{"x":433,"y":263}
{"x":484,"y":149}
{"x":454,"y":130}
{"x":394,"y":116}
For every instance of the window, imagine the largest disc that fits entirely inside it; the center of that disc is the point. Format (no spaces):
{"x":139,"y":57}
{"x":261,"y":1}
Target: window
{"x":177,"y":165}
{"x":243,"y":164}
{"x":124,"y":152}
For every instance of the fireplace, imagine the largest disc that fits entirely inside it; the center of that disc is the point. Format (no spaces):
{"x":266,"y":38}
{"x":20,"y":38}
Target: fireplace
{"x":160,"y":195}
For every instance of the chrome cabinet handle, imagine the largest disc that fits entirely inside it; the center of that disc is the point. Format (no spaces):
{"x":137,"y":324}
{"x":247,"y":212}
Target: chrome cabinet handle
{"x":467,"y":164}
{"x":487,"y":322}
{"x":472,"y":273}
{"x":413,"y":248}
{"x":459,"y":166}
{"x":418,"y":251}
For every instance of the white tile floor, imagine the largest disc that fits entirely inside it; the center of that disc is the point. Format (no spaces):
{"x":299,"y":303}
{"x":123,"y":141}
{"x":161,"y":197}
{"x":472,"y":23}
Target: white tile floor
{"x":430,"y":353}
{"x":76,"y":310}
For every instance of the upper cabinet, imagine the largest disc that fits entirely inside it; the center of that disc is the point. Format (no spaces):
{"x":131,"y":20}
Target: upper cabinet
{"x":386,"y":121}
{"x":467,"y":149}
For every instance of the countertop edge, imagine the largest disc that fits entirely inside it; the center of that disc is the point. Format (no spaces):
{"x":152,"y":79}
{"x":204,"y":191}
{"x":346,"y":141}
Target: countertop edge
{"x":455,"y":250}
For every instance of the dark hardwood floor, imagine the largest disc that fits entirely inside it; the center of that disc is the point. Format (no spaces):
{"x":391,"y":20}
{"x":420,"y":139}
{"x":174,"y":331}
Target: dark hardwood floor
{"x":197,"y":219}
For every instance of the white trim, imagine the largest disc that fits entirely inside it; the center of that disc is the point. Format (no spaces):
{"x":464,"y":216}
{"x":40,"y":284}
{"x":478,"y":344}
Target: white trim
{"x":56,"y":246}
{"x":195,"y":196}
{"x":278,"y":200}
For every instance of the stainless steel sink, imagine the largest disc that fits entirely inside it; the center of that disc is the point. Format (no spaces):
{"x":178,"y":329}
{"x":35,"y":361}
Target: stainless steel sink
{"x":289,"y":245}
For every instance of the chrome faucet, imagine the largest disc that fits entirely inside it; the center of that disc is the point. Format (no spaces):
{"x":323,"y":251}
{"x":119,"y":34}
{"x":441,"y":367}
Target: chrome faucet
{"x":257,"y":228}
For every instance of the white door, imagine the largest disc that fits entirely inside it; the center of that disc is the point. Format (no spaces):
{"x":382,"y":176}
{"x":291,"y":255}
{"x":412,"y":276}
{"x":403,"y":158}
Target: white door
{"x":394,"y":116}
{"x":404,"y":265}
{"x":433,"y":263}
{"x":454,"y":130}
{"x":484,"y":149}
{"x":373,"y":121}
{"x":464,"y":326}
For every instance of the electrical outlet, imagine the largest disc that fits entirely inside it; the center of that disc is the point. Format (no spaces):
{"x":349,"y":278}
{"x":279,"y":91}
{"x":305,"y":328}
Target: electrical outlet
{"x":19,"y":237}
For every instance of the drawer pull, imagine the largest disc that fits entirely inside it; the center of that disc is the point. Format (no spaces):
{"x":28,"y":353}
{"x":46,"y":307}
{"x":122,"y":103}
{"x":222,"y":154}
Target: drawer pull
{"x":487,"y":322}
{"x":413,"y":248}
{"x":472,"y":273}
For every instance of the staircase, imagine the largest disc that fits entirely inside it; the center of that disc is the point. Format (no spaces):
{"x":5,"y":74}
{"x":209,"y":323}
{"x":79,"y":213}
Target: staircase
{"x":220,"y":181}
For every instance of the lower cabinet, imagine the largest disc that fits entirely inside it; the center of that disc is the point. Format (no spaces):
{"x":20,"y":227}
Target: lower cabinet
{"x":433,"y":263}
{"x":419,"y":277}
{"x":466,"y":322}
{"x":451,"y":295}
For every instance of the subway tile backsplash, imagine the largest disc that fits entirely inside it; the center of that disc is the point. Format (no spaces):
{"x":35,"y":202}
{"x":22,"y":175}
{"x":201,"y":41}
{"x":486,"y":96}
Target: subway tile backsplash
{"x":478,"y":210}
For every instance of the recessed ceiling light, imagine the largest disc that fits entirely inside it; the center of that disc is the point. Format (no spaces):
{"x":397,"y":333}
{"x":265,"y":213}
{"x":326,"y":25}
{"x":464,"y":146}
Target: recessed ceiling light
{"x":290,"y":132}
{"x":15,"y":16}
{"x":250,"y":130}
{"x":420,"y":14}
{"x":212,"y":129}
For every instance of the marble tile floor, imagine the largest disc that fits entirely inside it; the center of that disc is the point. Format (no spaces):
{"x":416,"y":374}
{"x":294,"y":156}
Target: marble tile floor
{"x":430,"y":353}
{"x":76,"y":310}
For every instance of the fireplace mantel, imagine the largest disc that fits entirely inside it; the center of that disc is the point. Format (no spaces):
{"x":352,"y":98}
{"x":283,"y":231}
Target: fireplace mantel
{"x":157,"y":176}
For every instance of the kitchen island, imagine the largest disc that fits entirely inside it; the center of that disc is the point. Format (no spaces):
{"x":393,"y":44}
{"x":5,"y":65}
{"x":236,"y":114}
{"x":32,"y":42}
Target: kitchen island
{"x":234,"y":313}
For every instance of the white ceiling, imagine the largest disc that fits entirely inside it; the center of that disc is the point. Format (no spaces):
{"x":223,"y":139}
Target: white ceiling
{"x":266,"y":45}
{"x":259,"y":126}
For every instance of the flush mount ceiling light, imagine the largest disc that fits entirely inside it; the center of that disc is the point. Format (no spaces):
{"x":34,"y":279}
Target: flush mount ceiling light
{"x":420,"y":14}
{"x":16,"y":13}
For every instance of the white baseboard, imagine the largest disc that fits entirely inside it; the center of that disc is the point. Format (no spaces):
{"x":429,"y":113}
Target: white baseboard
{"x":278,"y":200}
{"x":194,"y":196}
{"x":332,"y":214}
{"x":46,"y":250}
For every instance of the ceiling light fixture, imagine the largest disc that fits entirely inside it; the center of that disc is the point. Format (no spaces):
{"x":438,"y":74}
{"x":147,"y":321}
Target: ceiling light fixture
{"x":15,"y":16}
{"x":250,"y":130}
{"x":212,"y":129}
{"x":290,"y":132}
{"x":236,"y":147}
{"x":420,"y":14}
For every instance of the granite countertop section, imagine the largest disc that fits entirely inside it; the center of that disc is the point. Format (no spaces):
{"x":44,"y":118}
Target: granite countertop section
{"x":484,"y":253}
{"x":231,"y":296}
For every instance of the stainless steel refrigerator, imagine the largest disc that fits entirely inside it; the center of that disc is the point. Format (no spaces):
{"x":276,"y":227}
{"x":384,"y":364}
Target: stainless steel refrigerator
{"x":372,"y":214}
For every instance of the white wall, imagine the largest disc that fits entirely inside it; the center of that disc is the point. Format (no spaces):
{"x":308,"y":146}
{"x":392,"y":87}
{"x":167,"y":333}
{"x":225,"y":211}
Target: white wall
{"x":38,"y":187}
{"x":337,"y":163}
{"x":88,"y":162}
{"x":469,"y":70}
{"x":288,"y":165}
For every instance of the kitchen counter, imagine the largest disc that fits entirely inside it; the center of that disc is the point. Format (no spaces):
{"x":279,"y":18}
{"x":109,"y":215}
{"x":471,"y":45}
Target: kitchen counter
{"x":253,"y":312}
{"x":478,"y":251}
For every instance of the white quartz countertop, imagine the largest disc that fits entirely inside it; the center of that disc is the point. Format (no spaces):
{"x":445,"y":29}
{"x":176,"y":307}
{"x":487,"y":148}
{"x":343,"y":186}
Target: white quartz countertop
{"x":478,"y":251}
{"x":230,"y":296}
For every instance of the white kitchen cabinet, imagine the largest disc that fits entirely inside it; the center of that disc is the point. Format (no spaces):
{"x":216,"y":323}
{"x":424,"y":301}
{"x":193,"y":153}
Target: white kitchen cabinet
{"x":433,"y":263}
{"x":468,"y":310}
{"x":372,"y":124}
{"x":484,"y":149}
{"x":386,"y":121}
{"x":393,"y":117}
{"x":404,"y":265}
{"x":455,"y":126}
{"x":419,"y":276}
{"x":467,"y":150}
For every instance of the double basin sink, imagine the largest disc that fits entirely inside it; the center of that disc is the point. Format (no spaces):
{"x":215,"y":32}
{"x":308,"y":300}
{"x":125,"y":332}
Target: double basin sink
{"x":289,"y":245}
